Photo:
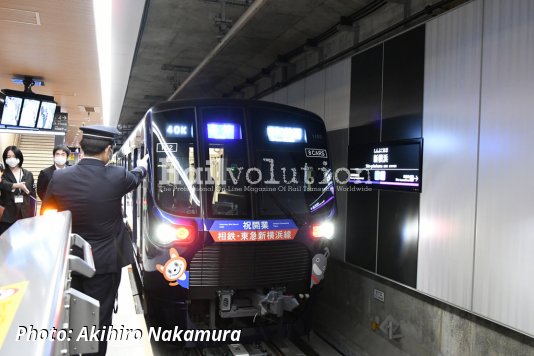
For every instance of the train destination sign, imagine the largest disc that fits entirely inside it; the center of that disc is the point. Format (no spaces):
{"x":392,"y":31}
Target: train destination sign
{"x":253,"y":230}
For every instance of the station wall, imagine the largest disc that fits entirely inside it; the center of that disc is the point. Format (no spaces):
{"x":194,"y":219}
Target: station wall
{"x":464,"y":82}
{"x":8,"y":139}
{"x":478,"y":84}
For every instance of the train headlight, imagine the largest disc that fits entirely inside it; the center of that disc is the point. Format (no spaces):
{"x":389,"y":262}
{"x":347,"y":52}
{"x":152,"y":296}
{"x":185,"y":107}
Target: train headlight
{"x":325,"y":229}
{"x":166,"y":234}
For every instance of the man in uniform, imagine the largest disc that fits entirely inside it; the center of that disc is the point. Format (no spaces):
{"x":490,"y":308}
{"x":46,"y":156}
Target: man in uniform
{"x":92,"y":191}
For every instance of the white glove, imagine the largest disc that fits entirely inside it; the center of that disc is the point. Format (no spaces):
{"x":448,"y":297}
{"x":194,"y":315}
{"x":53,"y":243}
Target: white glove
{"x":143,"y":162}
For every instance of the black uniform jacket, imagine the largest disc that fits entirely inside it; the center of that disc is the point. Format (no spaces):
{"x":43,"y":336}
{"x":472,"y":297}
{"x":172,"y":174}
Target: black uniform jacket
{"x":7,"y":198}
{"x":44,"y":178}
{"x":92,"y":192}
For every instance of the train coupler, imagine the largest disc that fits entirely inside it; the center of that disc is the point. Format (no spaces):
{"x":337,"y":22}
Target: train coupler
{"x":251,"y":304}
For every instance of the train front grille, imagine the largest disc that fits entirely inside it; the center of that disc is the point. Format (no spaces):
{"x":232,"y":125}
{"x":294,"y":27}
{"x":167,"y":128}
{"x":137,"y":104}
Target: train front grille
{"x":246,"y":265}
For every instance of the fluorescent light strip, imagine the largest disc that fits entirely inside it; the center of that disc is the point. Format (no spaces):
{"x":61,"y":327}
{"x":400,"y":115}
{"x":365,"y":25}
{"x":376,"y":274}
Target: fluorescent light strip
{"x":102,"y":14}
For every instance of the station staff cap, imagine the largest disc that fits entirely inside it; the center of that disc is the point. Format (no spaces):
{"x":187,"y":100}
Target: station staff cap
{"x":101,"y":132}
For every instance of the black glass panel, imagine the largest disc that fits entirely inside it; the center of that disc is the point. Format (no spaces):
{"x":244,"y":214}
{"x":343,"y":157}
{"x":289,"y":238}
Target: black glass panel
{"x":398,"y":236}
{"x":362,"y":210}
{"x":365,"y":98}
{"x":402,"y":105}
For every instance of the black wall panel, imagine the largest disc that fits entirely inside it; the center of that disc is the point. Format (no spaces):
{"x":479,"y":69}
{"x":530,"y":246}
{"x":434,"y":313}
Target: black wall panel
{"x":402,"y":105}
{"x":366,"y":96}
{"x":398,"y":236}
{"x":361,"y":229}
{"x":387,"y":86}
{"x":365,"y":117}
{"x":338,"y":142}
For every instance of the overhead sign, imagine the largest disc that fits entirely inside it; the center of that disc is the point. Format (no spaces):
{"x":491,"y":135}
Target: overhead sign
{"x":61,"y":122}
{"x":253,"y":230}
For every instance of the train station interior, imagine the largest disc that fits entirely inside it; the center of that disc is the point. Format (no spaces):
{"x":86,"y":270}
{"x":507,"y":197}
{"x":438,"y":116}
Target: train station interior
{"x":417,"y":115}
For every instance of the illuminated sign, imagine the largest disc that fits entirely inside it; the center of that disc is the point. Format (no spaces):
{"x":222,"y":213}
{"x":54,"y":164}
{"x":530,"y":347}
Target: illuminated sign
{"x":224,"y":131}
{"x":178,"y":130}
{"x":30,"y":109}
{"x":11,"y":113}
{"x":387,"y":165}
{"x":286,"y":134}
{"x":253,"y":230}
{"x":27,"y":110}
{"x":46,"y":117}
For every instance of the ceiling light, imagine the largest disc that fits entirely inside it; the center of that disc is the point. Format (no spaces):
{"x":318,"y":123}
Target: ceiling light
{"x":20,"y":16}
{"x":38,"y":82}
{"x":102,"y":13}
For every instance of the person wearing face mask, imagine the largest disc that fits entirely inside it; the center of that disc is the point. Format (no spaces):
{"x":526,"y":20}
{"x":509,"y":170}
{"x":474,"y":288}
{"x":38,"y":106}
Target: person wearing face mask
{"x":60,"y":154}
{"x":92,"y":191}
{"x":18,"y":193}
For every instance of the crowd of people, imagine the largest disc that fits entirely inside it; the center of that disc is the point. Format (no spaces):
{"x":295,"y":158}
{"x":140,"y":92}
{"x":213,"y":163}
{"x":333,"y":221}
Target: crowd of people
{"x":18,"y":197}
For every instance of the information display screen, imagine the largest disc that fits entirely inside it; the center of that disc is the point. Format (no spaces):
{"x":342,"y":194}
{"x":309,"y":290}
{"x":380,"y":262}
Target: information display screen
{"x":46,"y":115}
{"x":30,"y":109}
{"x":388,"y":165}
{"x":12,"y":108}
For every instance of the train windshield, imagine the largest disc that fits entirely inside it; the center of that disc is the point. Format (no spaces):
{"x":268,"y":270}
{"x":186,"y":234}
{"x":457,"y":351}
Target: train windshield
{"x":175,"y":165}
{"x":225,"y":148}
{"x":291,"y":151}
{"x":256,"y":162}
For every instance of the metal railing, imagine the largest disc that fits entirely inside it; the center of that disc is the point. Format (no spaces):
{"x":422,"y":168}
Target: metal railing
{"x":40,"y":314}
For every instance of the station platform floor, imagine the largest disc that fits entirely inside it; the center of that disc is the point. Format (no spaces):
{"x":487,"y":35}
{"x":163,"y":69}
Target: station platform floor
{"x":126,"y":315}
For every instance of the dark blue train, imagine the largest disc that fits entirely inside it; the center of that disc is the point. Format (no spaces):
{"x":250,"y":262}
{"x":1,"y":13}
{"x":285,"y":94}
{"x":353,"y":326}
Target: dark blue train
{"x":230,"y":227}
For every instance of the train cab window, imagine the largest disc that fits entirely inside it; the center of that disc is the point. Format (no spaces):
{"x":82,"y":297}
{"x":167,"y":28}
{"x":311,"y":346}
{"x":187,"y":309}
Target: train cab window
{"x":225,"y":149}
{"x":175,"y":163}
{"x":283,"y":140}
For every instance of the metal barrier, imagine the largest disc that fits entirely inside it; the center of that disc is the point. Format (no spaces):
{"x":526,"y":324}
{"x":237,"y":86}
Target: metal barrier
{"x":40,"y":314}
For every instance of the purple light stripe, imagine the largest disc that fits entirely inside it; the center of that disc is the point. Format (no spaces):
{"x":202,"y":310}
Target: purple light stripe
{"x":323,"y":204}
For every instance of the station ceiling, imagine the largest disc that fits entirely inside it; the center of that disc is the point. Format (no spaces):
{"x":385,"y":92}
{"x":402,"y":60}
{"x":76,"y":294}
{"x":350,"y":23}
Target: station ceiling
{"x":161,"y":49}
{"x":182,"y":54}
{"x":54,"y":40}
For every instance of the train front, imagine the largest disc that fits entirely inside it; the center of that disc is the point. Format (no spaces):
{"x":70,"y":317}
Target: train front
{"x":239,"y":214}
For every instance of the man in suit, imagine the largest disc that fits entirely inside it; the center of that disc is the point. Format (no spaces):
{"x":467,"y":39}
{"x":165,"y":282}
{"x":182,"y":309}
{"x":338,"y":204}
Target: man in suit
{"x":92,"y":191}
{"x":61,"y":154}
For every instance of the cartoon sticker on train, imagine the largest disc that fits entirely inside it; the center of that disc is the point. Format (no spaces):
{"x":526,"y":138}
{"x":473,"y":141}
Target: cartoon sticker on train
{"x":238,"y":200}
{"x":174,"y":270}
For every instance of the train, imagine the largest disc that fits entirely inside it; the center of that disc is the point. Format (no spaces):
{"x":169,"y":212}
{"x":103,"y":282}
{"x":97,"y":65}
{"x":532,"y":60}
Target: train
{"x":232,"y":224}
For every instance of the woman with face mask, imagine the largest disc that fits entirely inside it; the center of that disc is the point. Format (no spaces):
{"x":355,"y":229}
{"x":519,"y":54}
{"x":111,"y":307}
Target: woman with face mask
{"x":18,"y":193}
{"x":61,"y":154}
